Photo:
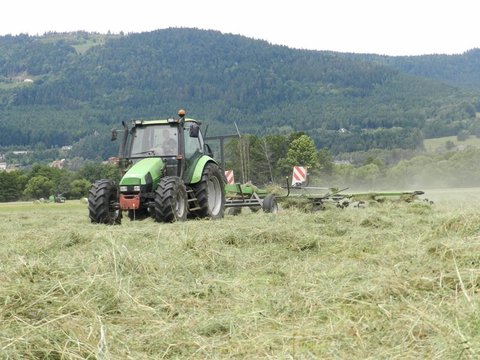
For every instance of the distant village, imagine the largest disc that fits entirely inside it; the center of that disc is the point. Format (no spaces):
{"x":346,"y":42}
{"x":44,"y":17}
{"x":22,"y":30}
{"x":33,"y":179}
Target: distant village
{"x":59,"y":163}
{"x":5,"y":166}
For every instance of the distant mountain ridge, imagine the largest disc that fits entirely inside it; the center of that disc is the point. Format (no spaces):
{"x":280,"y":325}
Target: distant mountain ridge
{"x":82,"y":83}
{"x":461,"y":70}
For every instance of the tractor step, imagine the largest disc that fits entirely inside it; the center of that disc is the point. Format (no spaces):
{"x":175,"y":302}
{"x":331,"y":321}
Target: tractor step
{"x":192,"y":201}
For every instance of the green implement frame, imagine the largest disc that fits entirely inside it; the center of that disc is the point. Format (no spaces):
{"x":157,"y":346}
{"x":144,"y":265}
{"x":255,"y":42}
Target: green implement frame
{"x":340,"y":199}
{"x":248,"y":195}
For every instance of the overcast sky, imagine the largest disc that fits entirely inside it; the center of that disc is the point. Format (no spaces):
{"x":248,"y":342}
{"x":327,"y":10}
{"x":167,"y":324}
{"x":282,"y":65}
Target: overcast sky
{"x":391,"y":27}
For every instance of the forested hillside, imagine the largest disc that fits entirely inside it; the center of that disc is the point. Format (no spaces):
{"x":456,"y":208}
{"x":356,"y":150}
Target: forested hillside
{"x":460,"y":70}
{"x":66,"y":89}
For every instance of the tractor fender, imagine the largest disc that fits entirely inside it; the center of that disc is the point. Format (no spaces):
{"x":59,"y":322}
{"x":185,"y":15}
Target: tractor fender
{"x":195,"y":176}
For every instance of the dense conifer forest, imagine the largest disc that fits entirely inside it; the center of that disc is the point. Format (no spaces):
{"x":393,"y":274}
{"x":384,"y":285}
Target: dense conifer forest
{"x":66,"y":89}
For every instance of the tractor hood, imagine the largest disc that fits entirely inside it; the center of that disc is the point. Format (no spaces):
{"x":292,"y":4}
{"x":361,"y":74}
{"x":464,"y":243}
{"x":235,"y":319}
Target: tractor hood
{"x":146,"y":172}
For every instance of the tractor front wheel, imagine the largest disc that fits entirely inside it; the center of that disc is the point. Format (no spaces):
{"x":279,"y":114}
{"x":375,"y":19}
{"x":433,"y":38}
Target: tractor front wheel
{"x":171,"y":200}
{"x":210,"y":193}
{"x":103,"y":203}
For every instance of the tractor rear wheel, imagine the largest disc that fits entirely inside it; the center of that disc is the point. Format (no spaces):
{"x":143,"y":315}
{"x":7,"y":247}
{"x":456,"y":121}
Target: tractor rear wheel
{"x":210,"y":193}
{"x":171,"y":200}
{"x":102,"y":203}
{"x":270,"y":204}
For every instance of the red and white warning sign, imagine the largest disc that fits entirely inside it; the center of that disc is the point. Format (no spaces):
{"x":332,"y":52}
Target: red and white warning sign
{"x":229,"y":176}
{"x":299,"y":175}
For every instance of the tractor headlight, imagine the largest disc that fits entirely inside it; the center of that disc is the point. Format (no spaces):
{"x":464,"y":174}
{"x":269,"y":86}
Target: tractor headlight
{"x":136,"y":188}
{"x":123,"y":188}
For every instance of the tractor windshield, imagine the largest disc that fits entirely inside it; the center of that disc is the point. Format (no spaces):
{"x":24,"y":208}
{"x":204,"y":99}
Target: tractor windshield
{"x":159,"y":140}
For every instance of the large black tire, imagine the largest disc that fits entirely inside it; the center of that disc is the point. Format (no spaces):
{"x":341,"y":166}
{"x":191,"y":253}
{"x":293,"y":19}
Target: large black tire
{"x":171,"y":200}
{"x":102,"y":198}
{"x":270,"y":204}
{"x":210,"y":193}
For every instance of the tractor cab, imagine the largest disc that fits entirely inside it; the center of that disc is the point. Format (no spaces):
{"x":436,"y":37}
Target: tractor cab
{"x":178,"y":143}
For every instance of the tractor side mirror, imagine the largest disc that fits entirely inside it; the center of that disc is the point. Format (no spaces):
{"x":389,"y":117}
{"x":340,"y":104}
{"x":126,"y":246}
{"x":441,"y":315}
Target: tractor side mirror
{"x":207,"y":150}
{"x":194,"y":130}
{"x":114,"y":134}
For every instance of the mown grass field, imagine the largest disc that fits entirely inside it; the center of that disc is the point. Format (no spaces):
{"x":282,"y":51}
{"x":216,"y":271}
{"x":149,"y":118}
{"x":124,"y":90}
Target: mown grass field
{"x":391,"y":280}
{"x":432,"y":145}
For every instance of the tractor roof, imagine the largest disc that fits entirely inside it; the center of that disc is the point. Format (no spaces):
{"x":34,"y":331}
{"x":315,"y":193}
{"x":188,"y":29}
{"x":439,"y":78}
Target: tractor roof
{"x":164,"y":122}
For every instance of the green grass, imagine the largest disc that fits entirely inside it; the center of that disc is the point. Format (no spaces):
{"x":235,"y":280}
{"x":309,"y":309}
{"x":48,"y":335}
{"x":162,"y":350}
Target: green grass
{"x":391,"y":280}
{"x":432,"y":145}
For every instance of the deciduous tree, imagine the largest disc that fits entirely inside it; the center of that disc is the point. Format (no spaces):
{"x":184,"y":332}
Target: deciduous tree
{"x":302,"y":151}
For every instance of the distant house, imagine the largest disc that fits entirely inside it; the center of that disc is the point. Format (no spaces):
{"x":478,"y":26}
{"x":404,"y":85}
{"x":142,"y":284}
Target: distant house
{"x":29,"y":81}
{"x":20,"y":152}
{"x":67,"y":147}
{"x":111,"y":161}
{"x":342,"y":162}
{"x":3,"y":166}
{"x":59,"y":164}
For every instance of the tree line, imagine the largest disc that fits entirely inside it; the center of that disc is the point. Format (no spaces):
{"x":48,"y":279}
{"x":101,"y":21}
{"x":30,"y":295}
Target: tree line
{"x":269,"y":160}
{"x":42,"y":181}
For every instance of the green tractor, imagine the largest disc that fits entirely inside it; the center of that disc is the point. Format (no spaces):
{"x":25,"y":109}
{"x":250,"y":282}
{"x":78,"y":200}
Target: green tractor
{"x":169,"y":174}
